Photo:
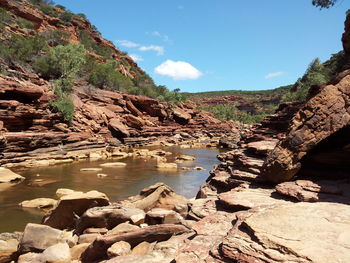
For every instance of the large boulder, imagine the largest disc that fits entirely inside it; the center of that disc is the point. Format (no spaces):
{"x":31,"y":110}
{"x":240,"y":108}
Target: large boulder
{"x":118,"y":129}
{"x":37,"y":238}
{"x":71,"y":206}
{"x":303,"y":232}
{"x":325,"y":114}
{"x":108,"y":217}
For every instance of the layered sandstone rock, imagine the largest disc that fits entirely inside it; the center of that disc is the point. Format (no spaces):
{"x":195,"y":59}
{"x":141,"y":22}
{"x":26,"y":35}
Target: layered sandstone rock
{"x":324,"y":117}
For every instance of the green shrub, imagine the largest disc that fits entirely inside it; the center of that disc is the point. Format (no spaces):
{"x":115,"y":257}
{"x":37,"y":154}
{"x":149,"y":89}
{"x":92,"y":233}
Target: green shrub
{"x":5,"y":17}
{"x":23,"y":48}
{"x":48,"y":10}
{"x":91,"y":45}
{"x":45,"y":2}
{"x":230,"y":112}
{"x":61,"y":7}
{"x":66,"y":17}
{"x":24,"y":23}
{"x":61,"y":61}
{"x":82,"y":15}
{"x":56,"y":37}
{"x":64,"y":105}
{"x":106,"y":76}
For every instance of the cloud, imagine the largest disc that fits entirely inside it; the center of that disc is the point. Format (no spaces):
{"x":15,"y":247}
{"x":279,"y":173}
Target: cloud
{"x":158,"y":49}
{"x":165,"y":38}
{"x":178,"y":70}
{"x":180,"y":7}
{"x":127,"y":43}
{"x":136,"y":57}
{"x":274,"y":75}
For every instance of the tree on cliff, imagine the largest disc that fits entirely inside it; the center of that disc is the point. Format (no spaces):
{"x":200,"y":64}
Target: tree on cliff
{"x":324,"y":3}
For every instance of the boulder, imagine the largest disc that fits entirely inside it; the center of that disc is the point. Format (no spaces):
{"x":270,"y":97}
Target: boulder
{"x":70,"y":206}
{"x":107,"y":217}
{"x":163,"y":216}
{"x":98,"y":249}
{"x":143,"y":248}
{"x":88,"y":238}
{"x":123,"y":228}
{"x":118,"y":129}
{"x":302,"y":232}
{"x":158,"y":196}
{"x":40,"y":237}
{"x":59,"y":253}
{"x":120,"y":248}
{"x":41,"y":203}
{"x":202,"y":207}
{"x":7,"y":249}
{"x":64,"y":191}
{"x":181,"y":116}
{"x":324,"y":115}
{"x":7,"y":176}
{"x":77,"y":250}
{"x":313,"y":191}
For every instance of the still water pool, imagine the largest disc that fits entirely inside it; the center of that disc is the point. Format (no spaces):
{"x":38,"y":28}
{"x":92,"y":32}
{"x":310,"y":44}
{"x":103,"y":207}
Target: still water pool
{"x":120,"y":182}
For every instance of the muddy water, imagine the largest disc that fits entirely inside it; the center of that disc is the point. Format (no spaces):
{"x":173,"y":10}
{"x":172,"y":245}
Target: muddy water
{"x":120,"y":183}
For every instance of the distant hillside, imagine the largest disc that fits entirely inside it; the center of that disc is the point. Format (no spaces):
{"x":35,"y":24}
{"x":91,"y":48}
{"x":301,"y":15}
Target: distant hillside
{"x":253,"y":106}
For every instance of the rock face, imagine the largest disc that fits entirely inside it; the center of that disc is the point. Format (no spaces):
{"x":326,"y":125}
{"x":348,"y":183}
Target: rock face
{"x":323,"y":119}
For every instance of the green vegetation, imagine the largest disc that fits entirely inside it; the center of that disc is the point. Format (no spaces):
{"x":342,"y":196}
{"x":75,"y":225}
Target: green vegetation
{"x":62,"y":63}
{"x":48,"y":10}
{"x":106,"y":76}
{"x":316,"y":74}
{"x":66,"y":17}
{"x":90,"y":44}
{"x":22,"y":48}
{"x":230,"y":112}
{"x":56,"y":37}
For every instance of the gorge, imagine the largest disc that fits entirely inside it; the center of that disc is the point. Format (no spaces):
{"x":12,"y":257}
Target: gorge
{"x":94,"y":173}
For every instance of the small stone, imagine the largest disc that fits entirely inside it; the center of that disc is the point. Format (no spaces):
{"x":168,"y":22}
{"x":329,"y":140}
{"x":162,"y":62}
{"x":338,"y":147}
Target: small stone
{"x":138,"y":219}
{"x":198,"y":168}
{"x":143,"y":248}
{"x":101,"y":175}
{"x":77,"y":250}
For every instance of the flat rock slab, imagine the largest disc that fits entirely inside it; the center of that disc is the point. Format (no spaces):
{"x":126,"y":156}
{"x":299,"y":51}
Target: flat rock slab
{"x":7,"y":176}
{"x":247,"y":198}
{"x":302,"y":232}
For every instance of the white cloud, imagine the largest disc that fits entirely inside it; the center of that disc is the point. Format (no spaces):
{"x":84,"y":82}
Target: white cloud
{"x":136,"y":57}
{"x":165,"y":38}
{"x":158,"y":49}
{"x":178,"y":70}
{"x":274,"y":75}
{"x":127,"y":43}
{"x":180,"y":7}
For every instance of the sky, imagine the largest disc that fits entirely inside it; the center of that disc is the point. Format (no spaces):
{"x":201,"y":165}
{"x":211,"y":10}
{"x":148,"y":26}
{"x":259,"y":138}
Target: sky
{"x":207,"y":45}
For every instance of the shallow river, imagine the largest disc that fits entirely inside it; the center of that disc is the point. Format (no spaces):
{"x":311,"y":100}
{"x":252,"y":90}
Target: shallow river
{"x":120,"y":183}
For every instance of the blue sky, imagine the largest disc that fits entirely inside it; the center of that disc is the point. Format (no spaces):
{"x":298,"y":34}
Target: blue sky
{"x":202,"y":45}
